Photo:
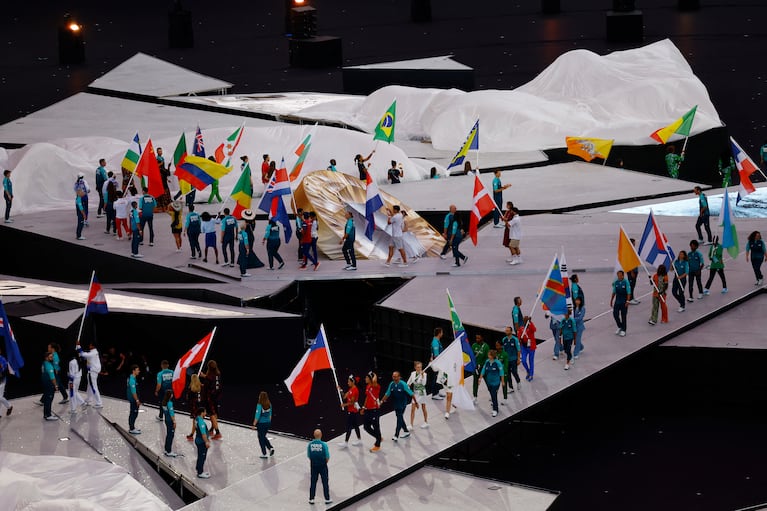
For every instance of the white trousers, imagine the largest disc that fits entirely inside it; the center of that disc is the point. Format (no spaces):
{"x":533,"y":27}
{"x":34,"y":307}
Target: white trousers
{"x":93,"y":389}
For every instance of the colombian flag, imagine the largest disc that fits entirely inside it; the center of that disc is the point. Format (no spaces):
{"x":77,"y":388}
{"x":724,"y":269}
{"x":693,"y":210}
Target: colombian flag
{"x":681,"y":126}
{"x":200,"y":172}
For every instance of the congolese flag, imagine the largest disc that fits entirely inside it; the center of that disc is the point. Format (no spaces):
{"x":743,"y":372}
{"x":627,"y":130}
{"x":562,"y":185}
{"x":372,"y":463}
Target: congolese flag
{"x":553,"y":295}
{"x":681,"y":126}
{"x":589,"y":148}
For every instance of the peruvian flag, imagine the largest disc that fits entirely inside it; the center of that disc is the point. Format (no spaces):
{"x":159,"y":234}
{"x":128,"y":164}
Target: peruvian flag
{"x":97,"y":302}
{"x":317,"y":357}
{"x":746,"y":167}
{"x":483,"y":204}
{"x":192,"y":357}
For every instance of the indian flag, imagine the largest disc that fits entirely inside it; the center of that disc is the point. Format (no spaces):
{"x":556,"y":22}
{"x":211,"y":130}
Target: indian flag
{"x":132,"y":155}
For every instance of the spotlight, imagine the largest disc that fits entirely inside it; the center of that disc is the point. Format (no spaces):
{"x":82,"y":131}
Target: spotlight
{"x":71,"y":41}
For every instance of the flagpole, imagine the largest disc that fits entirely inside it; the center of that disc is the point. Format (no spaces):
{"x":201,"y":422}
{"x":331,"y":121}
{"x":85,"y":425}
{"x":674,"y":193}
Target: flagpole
{"x":332,"y":365}
{"x":641,"y":263}
{"x":85,"y":309}
{"x":665,"y":249}
{"x":540,"y":292}
{"x":133,"y":172}
{"x":207,"y":349}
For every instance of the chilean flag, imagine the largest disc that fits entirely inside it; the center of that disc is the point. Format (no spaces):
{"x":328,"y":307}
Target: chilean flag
{"x":317,"y":357}
{"x":97,"y":302}
{"x":746,"y":167}
{"x":192,"y":357}
{"x":278,"y":186}
{"x":373,"y":203}
{"x":483,"y":205}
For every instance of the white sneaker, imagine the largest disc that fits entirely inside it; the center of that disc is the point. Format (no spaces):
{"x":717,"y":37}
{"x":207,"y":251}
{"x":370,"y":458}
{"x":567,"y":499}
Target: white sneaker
{"x":394,"y":438}
{"x":567,"y":367}
{"x":557,"y":358}
{"x":651,"y":322}
{"x":437,"y":397}
{"x":515,"y":261}
{"x":494,"y":414}
{"x":51,"y":418}
{"x":135,"y":431}
{"x":442,"y":256}
{"x":700,"y":297}
{"x":245,"y":275}
{"x":137,"y":256}
{"x":618,"y":331}
{"x":447,"y":415}
{"x":81,"y":238}
{"x":575,"y":357}
{"x":170,"y":454}
{"x":622,"y":333}
{"x":204,"y":475}
{"x":405,"y":434}
{"x":425,"y":425}
{"x":343,"y":445}
{"x":403,"y":265}
{"x":691,"y":299}
{"x":680,"y":309}
{"x":475,"y":400}
{"x":386,"y":264}
{"x":355,"y":443}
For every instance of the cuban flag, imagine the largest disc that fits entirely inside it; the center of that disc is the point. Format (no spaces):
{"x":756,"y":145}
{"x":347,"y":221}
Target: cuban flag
{"x":97,"y":302}
{"x":373,"y":203}
{"x":316,"y":358}
{"x":653,"y":247}
{"x":278,"y":186}
{"x":15,"y":360}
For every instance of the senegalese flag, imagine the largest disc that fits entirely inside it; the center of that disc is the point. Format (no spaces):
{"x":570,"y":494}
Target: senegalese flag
{"x":589,"y":148}
{"x":242,"y":192}
{"x":729,"y":234}
{"x":471,"y":144}
{"x":681,"y":126}
{"x":459,"y":332}
{"x":130,"y":160}
{"x":385,"y":129}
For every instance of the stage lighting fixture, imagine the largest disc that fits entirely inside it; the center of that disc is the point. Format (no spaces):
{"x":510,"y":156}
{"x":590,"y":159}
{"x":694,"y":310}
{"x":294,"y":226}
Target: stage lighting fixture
{"x":71,"y":41}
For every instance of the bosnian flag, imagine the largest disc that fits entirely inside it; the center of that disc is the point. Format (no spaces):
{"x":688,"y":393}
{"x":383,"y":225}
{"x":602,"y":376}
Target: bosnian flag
{"x":97,"y":302}
{"x":280,"y":214}
{"x":278,"y":186}
{"x":373,"y":203}
{"x":15,"y":360}
{"x":192,"y":357}
{"x":317,"y":357}
{"x":746,"y":167}
{"x":654,"y":248}
{"x":483,"y":204}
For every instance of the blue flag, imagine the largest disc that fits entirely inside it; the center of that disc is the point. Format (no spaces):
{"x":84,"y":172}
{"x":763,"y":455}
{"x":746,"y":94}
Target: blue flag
{"x":15,"y":361}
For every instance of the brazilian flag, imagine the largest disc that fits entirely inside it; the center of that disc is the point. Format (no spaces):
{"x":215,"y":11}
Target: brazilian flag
{"x":385,"y":129}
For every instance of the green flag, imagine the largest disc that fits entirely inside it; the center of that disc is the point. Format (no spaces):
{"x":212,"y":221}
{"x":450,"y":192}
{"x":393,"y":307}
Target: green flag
{"x":385,"y":129}
{"x":469,"y":363}
{"x":242,"y":192}
{"x":180,"y":153}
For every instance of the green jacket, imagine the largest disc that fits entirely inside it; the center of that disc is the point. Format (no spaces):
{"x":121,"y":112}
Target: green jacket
{"x":715,"y":254}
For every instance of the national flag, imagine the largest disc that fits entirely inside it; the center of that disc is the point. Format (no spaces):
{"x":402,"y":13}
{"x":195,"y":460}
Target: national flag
{"x":729,"y":234}
{"x":681,"y":126}
{"x":192,"y":357}
{"x":385,"y":129}
{"x":483,"y":204}
{"x":316,"y":358}
{"x":242,"y":192}
{"x":627,"y":258}
{"x":589,"y":148}
{"x":12,"y":353}
{"x":653,"y":247}
{"x":97,"y":301}
{"x":278,"y":185}
{"x":450,"y":365}
{"x":198,"y":148}
{"x":566,"y":281}
{"x":373,"y":203}
{"x":130,"y":160}
{"x":149,"y":170}
{"x":303,"y":145}
{"x":553,"y":294}
{"x":471,"y":144}
{"x":299,"y":166}
{"x":746,"y":167}
{"x":278,"y":212}
{"x":459,"y":333}
{"x":179,"y":155}
{"x":219,"y":155}
{"x":231,"y":143}
{"x":200,"y":172}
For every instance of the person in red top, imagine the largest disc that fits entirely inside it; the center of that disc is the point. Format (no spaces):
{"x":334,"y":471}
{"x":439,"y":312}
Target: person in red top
{"x":352,"y":407}
{"x":370,"y":411}
{"x":265,"y":170}
{"x":526,"y":335}
{"x":306,"y":242}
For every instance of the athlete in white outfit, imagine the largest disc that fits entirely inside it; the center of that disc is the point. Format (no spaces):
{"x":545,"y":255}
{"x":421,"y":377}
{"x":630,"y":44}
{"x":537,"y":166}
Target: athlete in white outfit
{"x":75,"y":375}
{"x":94,"y":368}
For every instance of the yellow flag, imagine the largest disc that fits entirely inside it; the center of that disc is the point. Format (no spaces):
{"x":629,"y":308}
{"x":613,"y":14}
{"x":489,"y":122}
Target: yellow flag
{"x":589,"y":148}
{"x":627,"y":258}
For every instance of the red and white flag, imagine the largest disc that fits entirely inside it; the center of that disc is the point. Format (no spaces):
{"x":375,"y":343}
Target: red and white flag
{"x":317,"y":357}
{"x":192,"y":357}
{"x":483,"y":204}
{"x":746,"y":167}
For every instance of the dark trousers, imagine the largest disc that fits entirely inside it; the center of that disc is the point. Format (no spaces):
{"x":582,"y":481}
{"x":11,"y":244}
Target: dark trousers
{"x":711,"y":275}
{"x":242,"y":258}
{"x":101,"y":199}
{"x":703,"y":220}
{"x":150,"y":222}
{"x":677,"y":289}
{"x":194,"y":243}
{"x":445,"y":247}
{"x":135,"y":241}
{"x":695,"y":275}
{"x":109,"y":208}
{"x":317,"y":472}
{"x":202,"y":453}
{"x":272,"y":248}
{"x":228,"y":243}
{"x":756,"y":264}
{"x":314,"y":248}
{"x":498,"y":199}
{"x":63,"y":382}
{"x":457,"y":255}
{"x":619,"y":314}
{"x":48,"y":392}
{"x":493,"y":389}
{"x":401,"y":426}
{"x":85,"y":206}
{"x":133,"y":415}
{"x":8,"y":203}
{"x":161,"y":394}
{"x":372,"y":425}
{"x":170,"y":431}
{"x":263,"y":442}
{"x":348,"y":251}
{"x":632,"y":278}
{"x":568,"y":344}
{"x":352,"y":424}
{"x":80,"y":223}
{"x":307,"y":253}
{"x":513,"y":372}
{"x":475,"y":383}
